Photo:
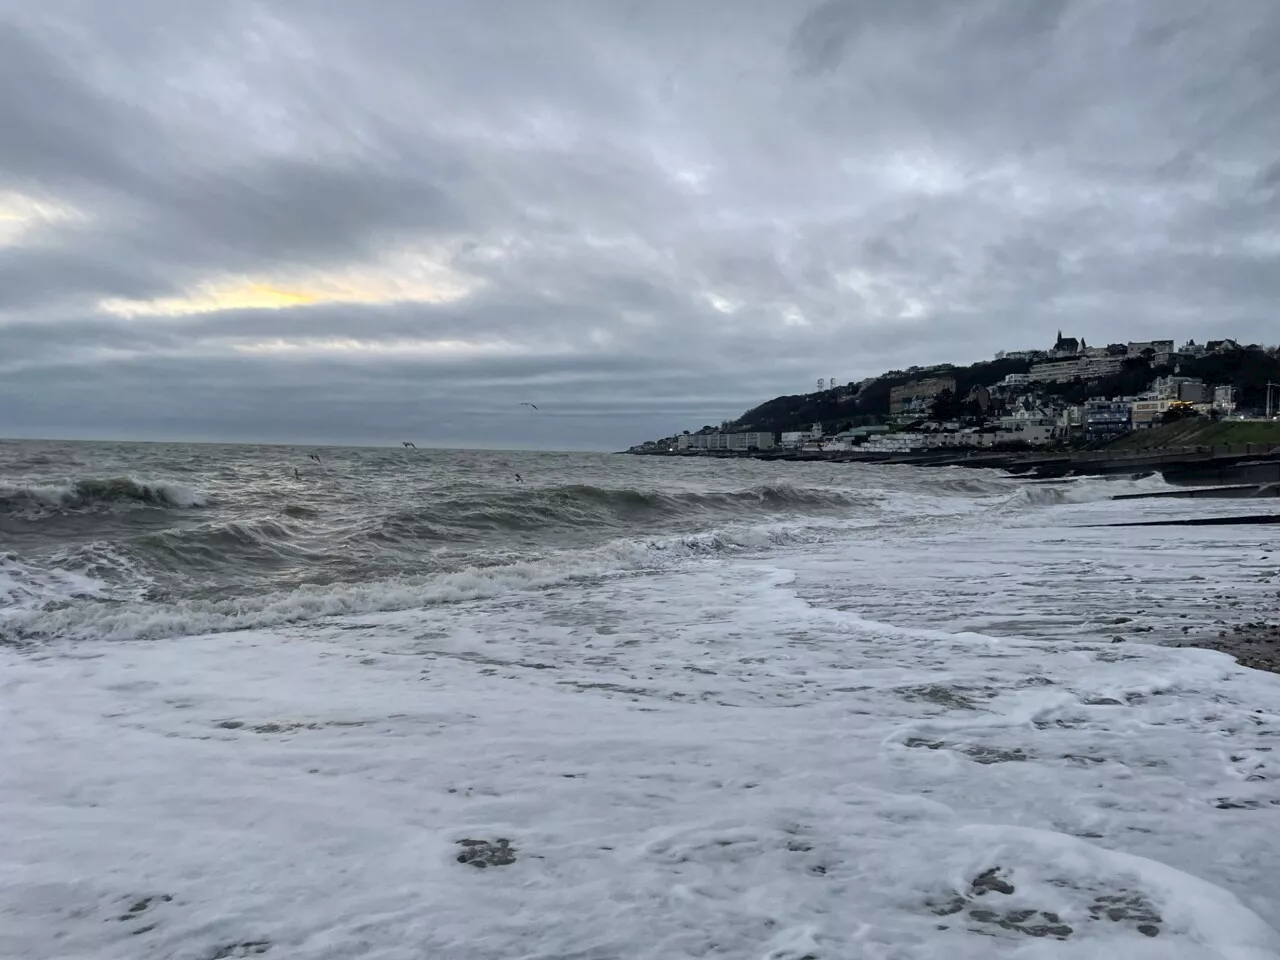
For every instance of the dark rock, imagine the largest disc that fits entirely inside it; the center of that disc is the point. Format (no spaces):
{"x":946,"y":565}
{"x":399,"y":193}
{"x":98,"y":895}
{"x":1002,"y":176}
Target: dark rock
{"x":990,"y":881}
{"x":487,"y":853}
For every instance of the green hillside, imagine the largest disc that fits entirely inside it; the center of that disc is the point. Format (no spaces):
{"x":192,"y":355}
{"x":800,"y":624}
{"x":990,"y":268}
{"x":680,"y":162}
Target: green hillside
{"x":1201,"y":432}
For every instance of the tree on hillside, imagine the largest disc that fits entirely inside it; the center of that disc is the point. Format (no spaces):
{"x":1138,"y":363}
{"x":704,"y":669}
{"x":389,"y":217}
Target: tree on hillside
{"x":946,"y":406}
{"x":1247,"y":371}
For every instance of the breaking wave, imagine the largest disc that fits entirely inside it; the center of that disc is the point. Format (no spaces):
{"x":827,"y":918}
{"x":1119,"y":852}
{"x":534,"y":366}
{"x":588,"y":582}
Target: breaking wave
{"x":80,"y":614}
{"x":256,"y":542}
{"x":92,"y":494}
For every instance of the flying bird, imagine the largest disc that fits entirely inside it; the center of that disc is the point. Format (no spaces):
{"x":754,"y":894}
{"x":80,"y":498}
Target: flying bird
{"x":408,"y":443}
{"x":314,"y":456}
{"x":534,"y":405}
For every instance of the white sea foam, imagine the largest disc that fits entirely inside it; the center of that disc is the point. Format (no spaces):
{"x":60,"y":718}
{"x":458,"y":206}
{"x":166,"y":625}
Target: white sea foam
{"x":818,"y":750}
{"x":24,"y":586}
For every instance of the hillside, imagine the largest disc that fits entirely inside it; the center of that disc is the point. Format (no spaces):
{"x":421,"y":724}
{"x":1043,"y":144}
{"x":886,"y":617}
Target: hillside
{"x":854,"y":407}
{"x":1247,"y":370}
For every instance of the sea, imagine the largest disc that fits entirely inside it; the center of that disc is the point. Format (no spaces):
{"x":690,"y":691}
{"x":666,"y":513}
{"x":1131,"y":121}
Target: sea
{"x":322,"y":702}
{"x":122,"y":541}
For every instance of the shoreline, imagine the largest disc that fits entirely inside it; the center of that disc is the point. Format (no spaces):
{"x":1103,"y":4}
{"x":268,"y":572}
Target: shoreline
{"x":1202,"y":472}
{"x":1255,"y":645}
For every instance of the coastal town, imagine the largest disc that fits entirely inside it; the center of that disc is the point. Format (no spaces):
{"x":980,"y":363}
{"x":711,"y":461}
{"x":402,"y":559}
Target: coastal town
{"x":1070,"y":396}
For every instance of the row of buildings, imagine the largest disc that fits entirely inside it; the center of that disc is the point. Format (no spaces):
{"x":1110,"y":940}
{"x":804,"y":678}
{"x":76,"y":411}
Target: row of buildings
{"x":1031,"y":419}
{"x":1071,"y":359}
{"x":737,"y":442}
{"x":1026,"y":411}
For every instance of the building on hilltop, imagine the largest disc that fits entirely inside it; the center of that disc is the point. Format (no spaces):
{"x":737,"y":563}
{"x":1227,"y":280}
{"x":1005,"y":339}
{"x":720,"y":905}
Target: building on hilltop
{"x":1137,"y":348}
{"x":1221,"y":346}
{"x":1066,"y":347}
{"x":1016,"y":354}
{"x":1078,"y":368}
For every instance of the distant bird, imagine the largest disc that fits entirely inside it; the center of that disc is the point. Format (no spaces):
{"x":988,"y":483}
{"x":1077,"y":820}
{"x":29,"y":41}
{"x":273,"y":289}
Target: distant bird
{"x":519,"y":479}
{"x":314,"y":456}
{"x":534,"y":405}
{"x":408,"y":443}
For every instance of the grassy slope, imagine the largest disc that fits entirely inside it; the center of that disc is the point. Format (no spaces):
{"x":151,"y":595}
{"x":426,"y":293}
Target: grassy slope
{"x":1201,"y":433}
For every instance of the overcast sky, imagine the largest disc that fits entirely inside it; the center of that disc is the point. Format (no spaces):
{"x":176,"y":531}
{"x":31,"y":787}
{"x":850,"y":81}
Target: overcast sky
{"x":330,"y":221}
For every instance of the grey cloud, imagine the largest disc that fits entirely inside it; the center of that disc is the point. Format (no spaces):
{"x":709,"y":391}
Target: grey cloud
{"x":670,"y":211}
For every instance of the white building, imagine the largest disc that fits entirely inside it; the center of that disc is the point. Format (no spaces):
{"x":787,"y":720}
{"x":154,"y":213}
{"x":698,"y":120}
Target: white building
{"x":1103,"y":366}
{"x":794,"y":439}
{"x":1224,"y":398}
{"x":726,"y":441}
{"x":1079,"y":368}
{"x":1036,"y":434}
{"x":1147,"y":412}
{"x":761,"y":440}
{"x":1056,"y":371}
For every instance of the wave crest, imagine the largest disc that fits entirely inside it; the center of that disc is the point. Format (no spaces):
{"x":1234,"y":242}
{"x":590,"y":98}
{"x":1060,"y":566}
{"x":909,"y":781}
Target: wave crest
{"x":92,"y":494}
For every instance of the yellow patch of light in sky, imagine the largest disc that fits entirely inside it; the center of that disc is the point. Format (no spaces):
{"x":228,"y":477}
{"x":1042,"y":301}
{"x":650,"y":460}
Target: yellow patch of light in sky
{"x":20,"y":213}
{"x":415,"y":281}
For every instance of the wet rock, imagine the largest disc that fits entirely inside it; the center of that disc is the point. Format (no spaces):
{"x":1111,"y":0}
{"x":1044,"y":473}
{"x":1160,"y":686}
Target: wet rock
{"x":979,"y":753}
{"x":487,"y":853}
{"x":245,"y":948}
{"x":1127,"y":906}
{"x":991,"y":881}
{"x":944,"y":696}
{"x":142,"y":905}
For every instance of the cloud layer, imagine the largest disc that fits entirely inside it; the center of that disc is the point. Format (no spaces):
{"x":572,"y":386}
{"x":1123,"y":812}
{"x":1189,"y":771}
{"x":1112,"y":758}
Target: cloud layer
{"x":314,"y":222}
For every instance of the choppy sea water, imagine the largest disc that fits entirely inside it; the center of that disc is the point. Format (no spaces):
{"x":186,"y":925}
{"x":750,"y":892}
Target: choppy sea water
{"x":148,"y":540}
{"x":680,"y":709}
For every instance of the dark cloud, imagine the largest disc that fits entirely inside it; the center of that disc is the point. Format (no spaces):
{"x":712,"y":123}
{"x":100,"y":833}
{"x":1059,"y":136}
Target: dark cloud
{"x":646,"y":216}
